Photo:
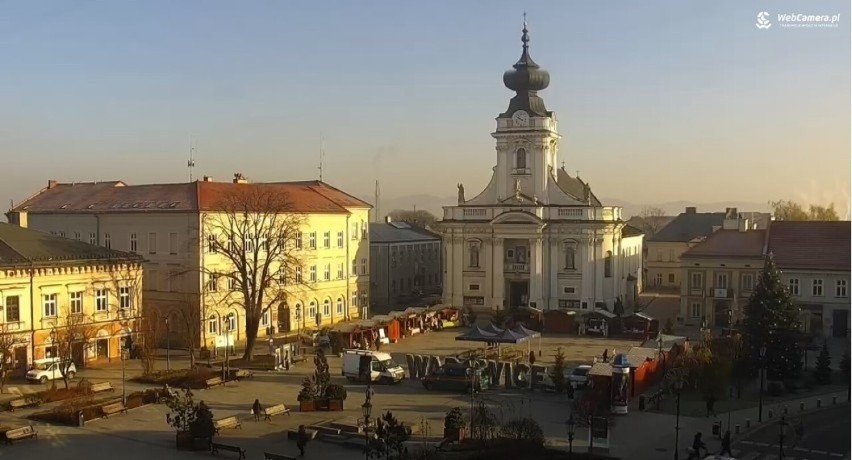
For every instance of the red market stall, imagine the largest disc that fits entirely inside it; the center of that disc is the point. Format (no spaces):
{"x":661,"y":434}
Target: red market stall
{"x":560,"y":321}
{"x":390,"y":329}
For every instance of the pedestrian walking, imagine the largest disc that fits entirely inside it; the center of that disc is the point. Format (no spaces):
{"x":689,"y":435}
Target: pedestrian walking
{"x":302,"y":440}
{"x":726,"y":444}
{"x":697,"y":445}
{"x":605,"y":355}
{"x":570,"y":390}
{"x":532,"y":357}
{"x":711,"y":405}
{"x":378,"y":343}
{"x":256,"y":409}
{"x":369,"y":392}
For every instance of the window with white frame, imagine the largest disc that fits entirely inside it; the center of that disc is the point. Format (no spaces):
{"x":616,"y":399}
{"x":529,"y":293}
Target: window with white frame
{"x":840,"y":289}
{"x":49,"y":302}
{"x":340,"y":271}
{"x":101,"y":300}
{"x":152,"y":243}
{"x":107,"y":240}
{"x":521,"y":159}
{"x":696,"y":280}
{"x":312,"y":310}
{"x":695,"y":309}
{"x":326,"y":307}
{"x":816,"y":288}
{"x":721,"y":281}
{"x":77,"y":236}
{"x":231,"y":322}
{"x":76,"y":302}
{"x":363,"y":230}
{"x":133,"y":242}
{"x":312,"y":240}
{"x":340,"y":305}
{"x":354,"y":267}
{"x":232,"y":245}
{"x":213,"y":282}
{"x":364,"y":266}
{"x":248,"y":242}
{"x":298,"y":275}
{"x":354,"y":230}
{"x":339,"y":239}
{"x":794,"y":286}
{"x":125,"y":302}
{"x":658,"y":279}
{"x":364,"y":300}
{"x":326,"y":240}
{"x":212,"y":246}
{"x":213,"y":325}
{"x":326,"y":272}
{"x":93,"y":239}
{"x":232,"y":282}
{"x":264,"y":319}
{"x":12,"y":306}
{"x":354,"y":300}
{"x":173,"y":243}
{"x":747,"y":282}
{"x":313,"y":274}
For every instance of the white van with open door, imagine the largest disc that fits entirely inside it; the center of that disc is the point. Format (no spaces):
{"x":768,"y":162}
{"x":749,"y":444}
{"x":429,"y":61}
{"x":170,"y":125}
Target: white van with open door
{"x":379,"y":366}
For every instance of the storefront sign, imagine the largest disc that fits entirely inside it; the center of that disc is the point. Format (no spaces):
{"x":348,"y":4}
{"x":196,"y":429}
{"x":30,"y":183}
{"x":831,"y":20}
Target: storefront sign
{"x":473,"y":300}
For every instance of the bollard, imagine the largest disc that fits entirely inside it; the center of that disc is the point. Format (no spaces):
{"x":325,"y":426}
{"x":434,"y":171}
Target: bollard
{"x":833,"y":400}
{"x":737,"y":429}
{"x":769,"y":413}
{"x":801,"y":407}
{"x":819,"y":403}
{"x":748,"y":423}
{"x":785,"y":410}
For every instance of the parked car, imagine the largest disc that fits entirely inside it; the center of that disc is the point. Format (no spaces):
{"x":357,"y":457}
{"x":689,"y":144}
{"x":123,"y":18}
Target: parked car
{"x":49,"y":369}
{"x":381,"y":366}
{"x":547,"y":379}
{"x":580,"y":376}
{"x":456,"y":377}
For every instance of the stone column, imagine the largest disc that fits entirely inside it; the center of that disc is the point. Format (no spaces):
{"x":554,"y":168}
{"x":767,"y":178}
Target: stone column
{"x":458,"y":270}
{"x":498,"y":278}
{"x":536,"y":271}
{"x":447,"y":268}
{"x":553,"y":270}
{"x":597,"y":248}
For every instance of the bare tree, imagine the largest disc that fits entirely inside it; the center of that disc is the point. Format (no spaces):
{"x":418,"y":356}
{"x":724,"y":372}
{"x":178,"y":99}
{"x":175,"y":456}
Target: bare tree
{"x":419,"y":218}
{"x":147,"y":327}
{"x":8,"y":340}
{"x":190,"y":318}
{"x":653,"y":220}
{"x":256,"y":231}
{"x":70,"y":332}
{"x":790,"y":210}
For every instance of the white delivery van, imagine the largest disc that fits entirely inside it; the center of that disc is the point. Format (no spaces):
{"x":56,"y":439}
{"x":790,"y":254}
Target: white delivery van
{"x":48,"y":369}
{"x":380,"y":366}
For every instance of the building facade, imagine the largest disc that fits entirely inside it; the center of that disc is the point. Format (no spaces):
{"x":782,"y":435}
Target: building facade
{"x":663,"y":250}
{"x":187,"y":280}
{"x":54,"y":289}
{"x":405,"y":263}
{"x":536,"y":236}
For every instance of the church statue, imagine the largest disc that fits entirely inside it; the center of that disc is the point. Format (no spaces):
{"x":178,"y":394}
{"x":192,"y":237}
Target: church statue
{"x":461,"y":193}
{"x":587,"y":193}
{"x":518,"y":189}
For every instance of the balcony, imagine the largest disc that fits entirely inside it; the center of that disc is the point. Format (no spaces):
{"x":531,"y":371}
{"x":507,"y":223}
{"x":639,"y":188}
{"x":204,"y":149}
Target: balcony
{"x":517,"y":268}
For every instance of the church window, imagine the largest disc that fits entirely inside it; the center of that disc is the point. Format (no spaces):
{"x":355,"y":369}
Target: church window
{"x":521,"y":159}
{"x":608,"y":264}
{"x":569,"y":256}
{"x":474,"y":255}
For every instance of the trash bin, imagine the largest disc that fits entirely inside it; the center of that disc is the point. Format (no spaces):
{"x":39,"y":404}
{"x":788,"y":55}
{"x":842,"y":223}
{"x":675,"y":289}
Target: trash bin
{"x":641,"y":402}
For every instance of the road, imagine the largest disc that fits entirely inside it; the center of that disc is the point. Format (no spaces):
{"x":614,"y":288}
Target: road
{"x":825,"y":435}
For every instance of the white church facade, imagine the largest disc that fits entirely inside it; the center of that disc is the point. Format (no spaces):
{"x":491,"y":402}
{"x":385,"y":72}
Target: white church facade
{"x":536,"y":236}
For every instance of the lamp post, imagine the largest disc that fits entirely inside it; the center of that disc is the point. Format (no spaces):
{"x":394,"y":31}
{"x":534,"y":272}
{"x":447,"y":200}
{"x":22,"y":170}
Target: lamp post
{"x":660,"y":343}
{"x":168,"y":344}
{"x":472,"y":374}
{"x":123,"y":376}
{"x":570,"y":425}
{"x":678,"y":388}
{"x":783,"y":424}
{"x":762,"y":382}
{"x":53,"y":340}
{"x":366,"y":409}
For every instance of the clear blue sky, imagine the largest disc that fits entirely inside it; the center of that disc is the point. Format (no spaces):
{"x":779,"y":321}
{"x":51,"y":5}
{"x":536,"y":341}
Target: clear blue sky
{"x":657,"y":101}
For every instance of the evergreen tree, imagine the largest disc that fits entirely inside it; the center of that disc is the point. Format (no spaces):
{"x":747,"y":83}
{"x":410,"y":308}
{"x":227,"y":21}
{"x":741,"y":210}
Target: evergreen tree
{"x":844,"y":364}
{"x":822,"y":374}
{"x":308,"y":391}
{"x":202,"y":426}
{"x":557,"y":372}
{"x":772,"y":320}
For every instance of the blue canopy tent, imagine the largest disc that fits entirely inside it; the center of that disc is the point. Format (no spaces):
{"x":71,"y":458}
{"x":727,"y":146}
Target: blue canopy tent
{"x":476,"y":334}
{"x":490,"y":327}
{"x":510,"y":336}
{"x":530,"y":334}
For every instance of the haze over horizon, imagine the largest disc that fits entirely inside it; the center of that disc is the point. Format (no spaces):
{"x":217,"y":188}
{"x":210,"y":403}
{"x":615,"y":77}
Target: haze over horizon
{"x":677,"y":102}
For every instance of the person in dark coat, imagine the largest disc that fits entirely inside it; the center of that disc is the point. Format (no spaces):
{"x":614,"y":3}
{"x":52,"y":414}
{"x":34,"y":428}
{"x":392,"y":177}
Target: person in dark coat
{"x":605,"y":355}
{"x":302,"y":440}
{"x":711,"y":405}
{"x":697,"y":445}
{"x":532,"y":357}
{"x":256,"y":409}
{"x":726,"y":444}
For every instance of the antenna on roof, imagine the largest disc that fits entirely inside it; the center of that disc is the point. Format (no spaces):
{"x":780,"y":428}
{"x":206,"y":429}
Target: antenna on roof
{"x":377,"y":215}
{"x":322,"y":156}
{"x":191,"y":162}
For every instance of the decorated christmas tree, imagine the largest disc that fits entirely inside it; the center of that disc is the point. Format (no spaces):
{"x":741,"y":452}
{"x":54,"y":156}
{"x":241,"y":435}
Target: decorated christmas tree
{"x":822,"y":373}
{"x":772,"y":321}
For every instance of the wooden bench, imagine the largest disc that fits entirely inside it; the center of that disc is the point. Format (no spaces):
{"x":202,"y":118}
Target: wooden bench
{"x":212,"y":382}
{"x":277,"y":409}
{"x":114,"y":408}
{"x":101,"y":386}
{"x":271,"y":456}
{"x":216,"y":447}
{"x":243,"y":374}
{"x":23,"y":432}
{"x":227,"y":422}
{"x":23,"y":402}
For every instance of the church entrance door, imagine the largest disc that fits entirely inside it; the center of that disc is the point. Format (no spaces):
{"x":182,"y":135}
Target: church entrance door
{"x":519,"y":293}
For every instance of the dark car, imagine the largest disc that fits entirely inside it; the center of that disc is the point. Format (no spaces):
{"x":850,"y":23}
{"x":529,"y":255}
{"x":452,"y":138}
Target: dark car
{"x":456,"y":377}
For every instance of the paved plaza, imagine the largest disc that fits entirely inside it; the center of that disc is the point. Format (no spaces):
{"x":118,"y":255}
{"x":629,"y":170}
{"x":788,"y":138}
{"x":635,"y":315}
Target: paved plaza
{"x":143,"y":432}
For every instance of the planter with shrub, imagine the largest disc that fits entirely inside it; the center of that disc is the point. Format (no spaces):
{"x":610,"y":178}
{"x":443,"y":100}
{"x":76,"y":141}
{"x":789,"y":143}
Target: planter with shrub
{"x":193,"y":422}
{"x":454,"y":424}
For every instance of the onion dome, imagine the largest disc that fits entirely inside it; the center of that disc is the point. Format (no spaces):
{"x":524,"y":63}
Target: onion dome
{"x":526,"y":78}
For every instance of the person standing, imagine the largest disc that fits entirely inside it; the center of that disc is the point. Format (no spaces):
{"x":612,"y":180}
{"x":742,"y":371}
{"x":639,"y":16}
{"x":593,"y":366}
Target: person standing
{"x":532,"y":357}
{"x":711,"y":405}
{"x":369,"y":392}
{"x":605,"y":355}
{"x":697,"y":445}
{"x":256,"y":409}
{"x":726,"y":444}
{"x":302,"y":440}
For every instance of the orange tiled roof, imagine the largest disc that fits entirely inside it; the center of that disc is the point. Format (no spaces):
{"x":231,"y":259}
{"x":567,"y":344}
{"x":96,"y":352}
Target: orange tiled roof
{"x":811,"y":245}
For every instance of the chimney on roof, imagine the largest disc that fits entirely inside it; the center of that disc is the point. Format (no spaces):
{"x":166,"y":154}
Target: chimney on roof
{"x":691,"y":210}
{"x":51,"y":183}
{"x":732,"y":220}
{"x":240,"y":179}
{"x":208,"y":179}
{"x":388,"y":219}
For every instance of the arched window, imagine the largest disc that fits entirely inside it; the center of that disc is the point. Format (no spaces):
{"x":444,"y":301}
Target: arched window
{"x":608,"y":264}
{"x":340,"y":305}
{"x":326,"y":307}
{"x":297,"y":312}
{"x":312,"y":309}
{"x":264,"y":319}
{"x":521,"y":159}
{"x":213,"y":325}
{"x":473,"y":250}
{"x":231,"y":322}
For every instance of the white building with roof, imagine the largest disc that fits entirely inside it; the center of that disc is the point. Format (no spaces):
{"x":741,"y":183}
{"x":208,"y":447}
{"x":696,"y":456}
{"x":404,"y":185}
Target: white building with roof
{"x":536,"y":236}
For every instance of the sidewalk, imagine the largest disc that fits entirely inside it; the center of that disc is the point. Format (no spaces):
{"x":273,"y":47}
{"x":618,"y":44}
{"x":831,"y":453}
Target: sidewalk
{"x":651,"y":436}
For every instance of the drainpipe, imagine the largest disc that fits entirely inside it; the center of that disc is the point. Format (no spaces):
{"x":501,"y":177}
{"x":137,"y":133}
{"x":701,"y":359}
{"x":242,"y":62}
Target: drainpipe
{"x":348,"y":265}
{"x":32,"y":312}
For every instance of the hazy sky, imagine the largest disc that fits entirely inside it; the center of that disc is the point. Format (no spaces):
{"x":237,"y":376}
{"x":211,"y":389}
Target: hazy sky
{"x":656,"y":101}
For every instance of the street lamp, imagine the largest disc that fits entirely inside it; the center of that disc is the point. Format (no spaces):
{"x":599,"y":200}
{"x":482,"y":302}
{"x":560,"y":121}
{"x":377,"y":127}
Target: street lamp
{"x":570,"y":425}
{"x":762,"y":382}
{"x":678,"y":385}
{"x":168,"y":344}
{"x":123,"y":376}
{"x":660,"y":356}
{"x":366,"y":409}
{"x":781,"y":427}
{"x":472,"y":373}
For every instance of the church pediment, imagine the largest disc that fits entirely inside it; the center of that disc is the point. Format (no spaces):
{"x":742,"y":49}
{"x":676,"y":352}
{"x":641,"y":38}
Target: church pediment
{"x":517,"y":217}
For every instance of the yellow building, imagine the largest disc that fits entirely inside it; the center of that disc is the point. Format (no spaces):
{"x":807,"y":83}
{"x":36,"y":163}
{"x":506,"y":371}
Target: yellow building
{"x":53,"y":288}
{"x":188,"y":279}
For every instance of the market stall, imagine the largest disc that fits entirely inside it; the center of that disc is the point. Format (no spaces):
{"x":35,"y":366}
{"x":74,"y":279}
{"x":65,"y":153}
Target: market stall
{"x":640,"y":325}
{"x":597,"y":322}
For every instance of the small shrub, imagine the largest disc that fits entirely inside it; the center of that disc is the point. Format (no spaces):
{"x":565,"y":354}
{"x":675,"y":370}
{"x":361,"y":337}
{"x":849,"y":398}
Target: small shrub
{"x":525,"y":431}
{"x":335,"y":391}
{"x":454,"y":420}
{"x":202,"y":424}
{"x":822,"y":373}
{"x":308,"y":391}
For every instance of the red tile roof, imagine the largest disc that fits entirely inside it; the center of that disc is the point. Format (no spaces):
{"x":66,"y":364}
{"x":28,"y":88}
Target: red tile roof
{"x":811,"y":245}
{"x":116,"y":196}
{"x":730,"y":243}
